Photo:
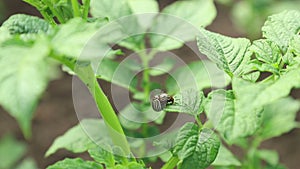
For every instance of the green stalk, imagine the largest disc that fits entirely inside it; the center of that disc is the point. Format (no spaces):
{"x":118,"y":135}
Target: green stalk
{"x":48,"y":18}
{"x":171,"y":164}
{"x":87,"y":75}
{"x":41,"y":8}
{"x":86,"y":8}
{"x":146,"y":74}
{"x":198,"y":122}
{"x":251,"y":161}
{"x":75,"y":6}
{"x":59,"y":17}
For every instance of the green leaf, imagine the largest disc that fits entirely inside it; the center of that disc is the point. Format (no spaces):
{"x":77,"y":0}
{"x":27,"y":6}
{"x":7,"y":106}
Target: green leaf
{"x":76,"y":163}
{"x":131,"y":165}
{"x":116,"y":73}
{"x":28,"y":163}
{"x":255,"y":65}
{"x":23,"y":79}
{"x":134,"y":114}
{"x":26,"y":24}
{"x":230,"y":54}
{"x":74,"y":39}
{"x":231,"y":120}
{"x":144,"y":9}
{"x":294,"y":46}
{"x":11,"y":151}
{"x":279,"y":117}
{"x":102,"y":156}
{"x":196,"y":150}
{"x":178,"y":23}
{"x":82,"y":137}
{"x":266,"y":51}
{"x":143,"y":6}
{"x":200,"y":13}
{"x":225,"y":158}
{"x":281,"y":28}
{"x":113,"y":9}
{"x":129,"y":124}
{"x":252,"y":76}
{"x":234,"y":116}
{"x":164,"y":67}
{"x":198,"y":75}
{"x":264,"y":92}
{"x":4,"y":35}
{"x":188,"y":101}
{"x":128,"y":27}
{"x":270,"y":156}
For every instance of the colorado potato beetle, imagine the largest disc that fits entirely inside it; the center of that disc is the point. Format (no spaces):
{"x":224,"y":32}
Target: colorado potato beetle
{"x":160,"y":101}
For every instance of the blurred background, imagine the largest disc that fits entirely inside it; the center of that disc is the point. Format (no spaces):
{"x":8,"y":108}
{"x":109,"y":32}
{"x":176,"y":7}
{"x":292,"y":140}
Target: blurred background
{"x":55,"y":113}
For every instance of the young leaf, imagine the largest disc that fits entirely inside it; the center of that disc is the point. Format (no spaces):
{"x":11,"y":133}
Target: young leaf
{"x":102,"y":156}
{"x":265,"y":92}
{"x":11,"y":151}
{"x":252,"y":76}
{"x":228,"y":118}
{"x":76,"y":163}
{"x":26,"y":24}
{"x":279,"y":118}
{"x":199,"y":75}
{"x":188,"y":101}
{"x":266,"y":51}
{"x":256,"y":65}
{"x":180,"y":20}
{"x":196,"y":150}
{"x":82,"y":137}
{"x":230,"y":54}
{"x":281,"y":28}
{"x":225,"y":158}
{"x":234,"y":116}
{"x":23,"y":79}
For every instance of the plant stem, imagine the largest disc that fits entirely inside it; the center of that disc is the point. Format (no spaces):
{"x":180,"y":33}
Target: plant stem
{"x":86,"y":74}
{"x":54,"y":11}
{"x":198,"y":122}
{"x":40,"y":7}
{"x":88,"y":77}
{"x":48,"y":18}
{"x":251,"y":162}
{"x":75,"y":6}
{"x":171,"y":164}
{"x":86,"y":8}
{"x":146,"y":76}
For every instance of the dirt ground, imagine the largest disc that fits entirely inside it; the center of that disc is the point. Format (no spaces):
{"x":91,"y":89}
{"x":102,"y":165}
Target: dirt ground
{"x":55,"y":113}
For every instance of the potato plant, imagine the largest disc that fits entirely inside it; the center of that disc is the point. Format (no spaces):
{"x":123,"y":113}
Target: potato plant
{"x":242,"y":89}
